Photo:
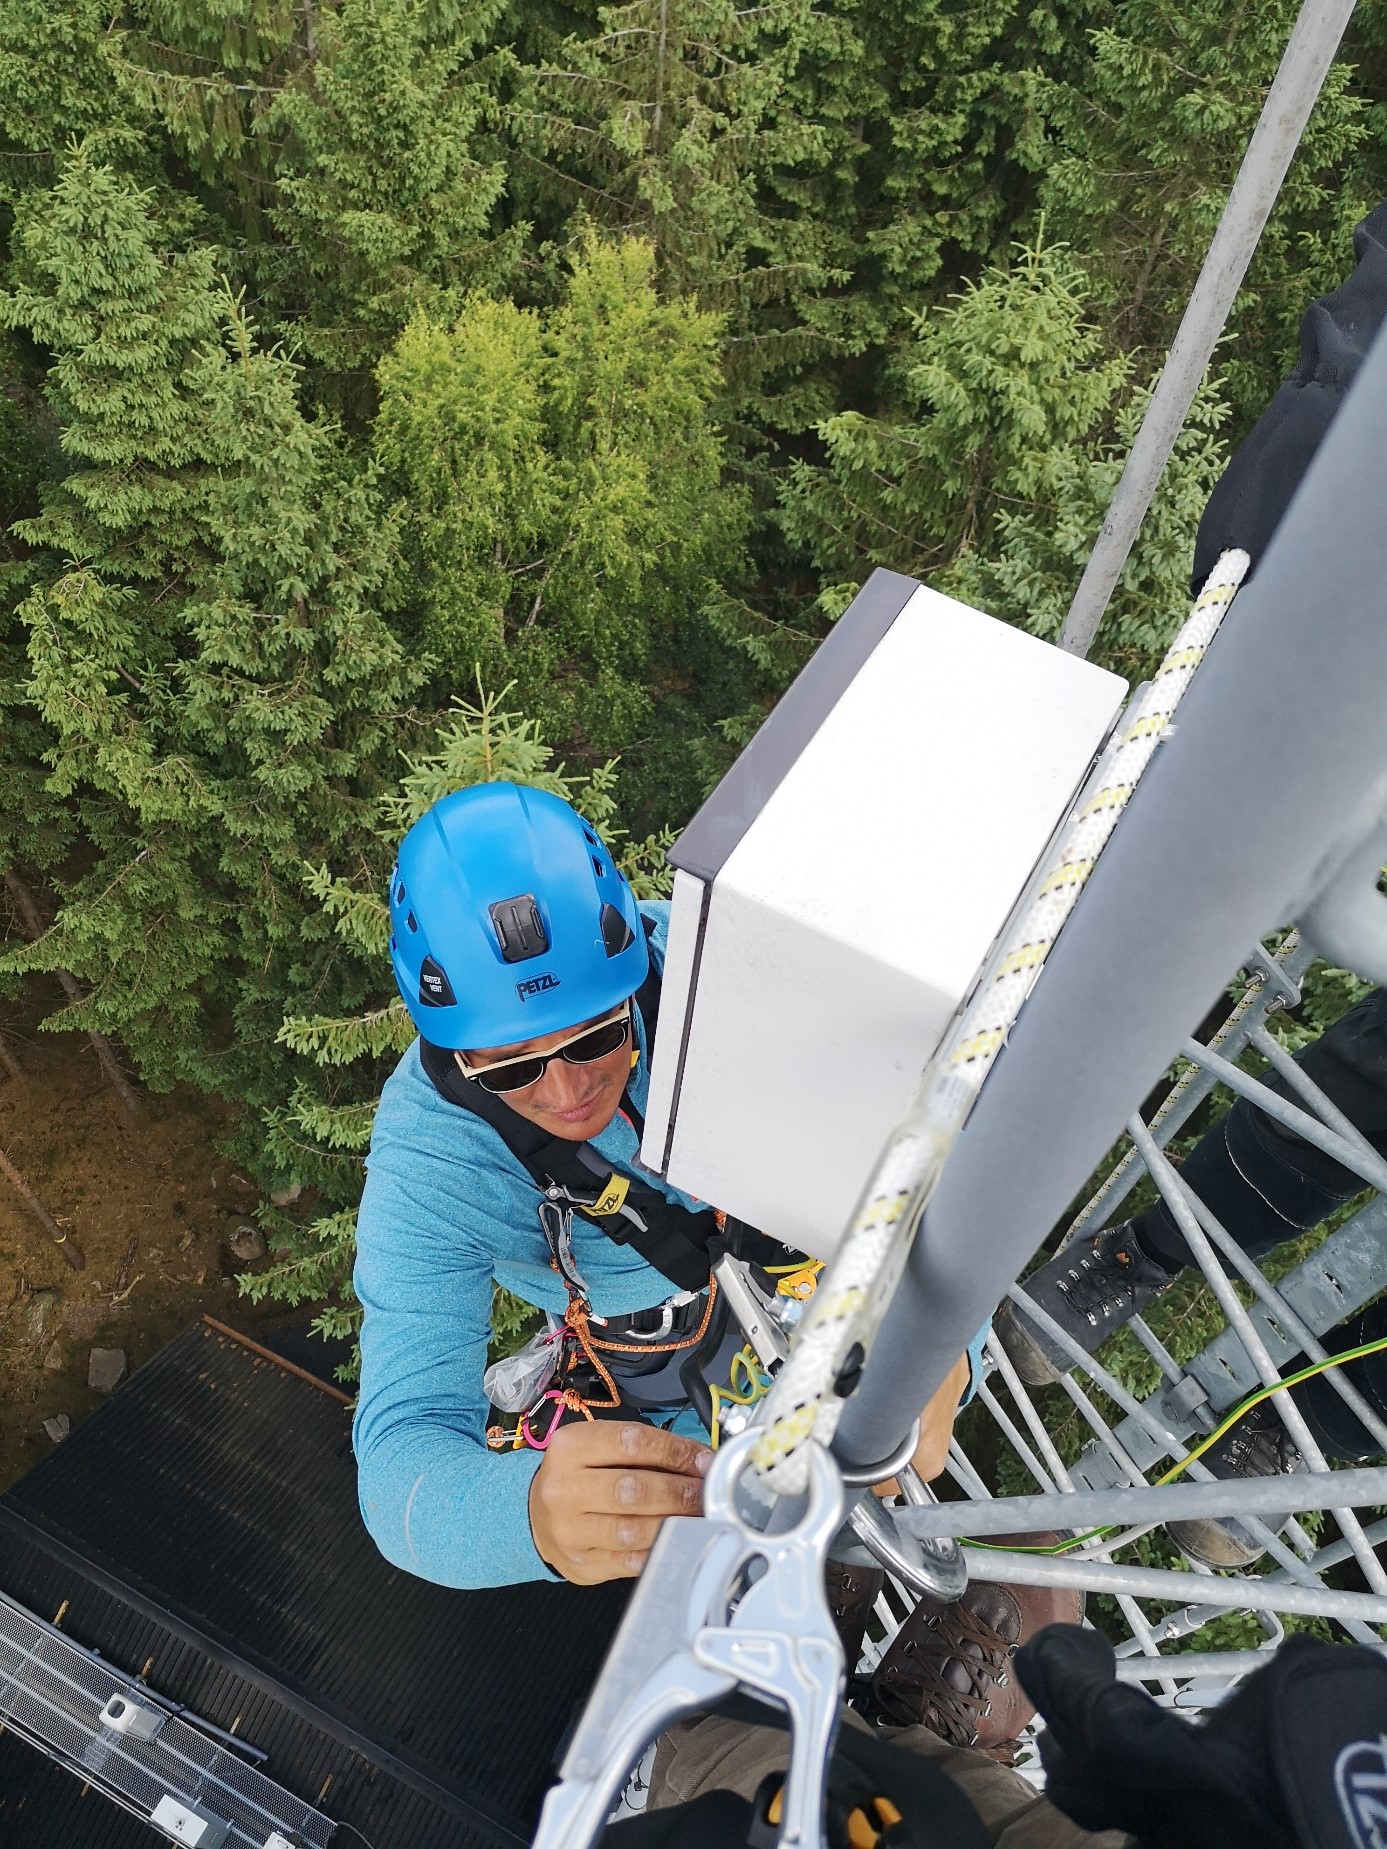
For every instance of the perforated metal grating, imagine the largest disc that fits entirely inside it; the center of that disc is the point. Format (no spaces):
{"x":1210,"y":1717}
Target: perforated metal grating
{"x":52,"y":1693}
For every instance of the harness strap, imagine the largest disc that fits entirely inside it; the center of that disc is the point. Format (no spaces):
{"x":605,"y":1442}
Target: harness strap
{"x":668,"y":1236}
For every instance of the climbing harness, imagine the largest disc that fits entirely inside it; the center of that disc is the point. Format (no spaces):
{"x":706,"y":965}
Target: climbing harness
{"x":698,"y":1348}
{"x":585,"y":1366}
{"x":672,"y":1238}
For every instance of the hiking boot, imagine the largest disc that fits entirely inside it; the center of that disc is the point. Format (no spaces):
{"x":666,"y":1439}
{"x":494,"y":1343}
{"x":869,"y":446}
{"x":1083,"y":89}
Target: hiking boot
{"x":852,"y":1592}
{"x":949,"y":1667}
{"x":1093,"y":1288}
{"x":1257,"y":1446}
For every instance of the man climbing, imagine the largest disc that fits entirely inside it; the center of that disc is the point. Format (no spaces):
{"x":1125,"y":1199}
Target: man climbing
{"x":506,"y":1150}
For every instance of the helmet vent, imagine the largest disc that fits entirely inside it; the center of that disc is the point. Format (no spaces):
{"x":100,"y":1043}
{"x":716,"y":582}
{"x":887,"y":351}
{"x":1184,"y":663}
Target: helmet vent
{"x":617,"y":935}
{"x":598,"y":868}
{"x":519,"y":928}
{"x":412,"y":922}
{"x":435,"y":990}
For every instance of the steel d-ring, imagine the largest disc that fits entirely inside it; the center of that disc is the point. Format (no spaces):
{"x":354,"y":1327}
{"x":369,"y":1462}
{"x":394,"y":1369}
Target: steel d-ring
{"x":863,"y":1476}
{"x":936,"y":1568}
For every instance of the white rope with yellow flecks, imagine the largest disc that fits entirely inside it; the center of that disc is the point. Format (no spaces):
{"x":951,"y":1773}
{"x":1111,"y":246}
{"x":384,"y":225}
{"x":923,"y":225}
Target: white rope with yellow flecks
{"x":846,"y":1310}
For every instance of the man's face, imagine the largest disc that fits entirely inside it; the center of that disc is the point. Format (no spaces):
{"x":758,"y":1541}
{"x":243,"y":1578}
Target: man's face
{"x":573,"y":1102}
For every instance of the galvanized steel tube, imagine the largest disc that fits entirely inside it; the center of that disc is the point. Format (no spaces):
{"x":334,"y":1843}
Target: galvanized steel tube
{"x":1155,"y":1583}
{"x":1174,"y":1502}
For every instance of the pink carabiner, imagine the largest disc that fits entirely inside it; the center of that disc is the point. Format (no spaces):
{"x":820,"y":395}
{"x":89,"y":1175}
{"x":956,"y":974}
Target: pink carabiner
{"x":542,"y":1444}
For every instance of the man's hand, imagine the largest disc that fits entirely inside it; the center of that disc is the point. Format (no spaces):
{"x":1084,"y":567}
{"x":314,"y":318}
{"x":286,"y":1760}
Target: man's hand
{"x":937,"y":1421}
{"x":597,"y":1500}
{"x":936,"y":1429}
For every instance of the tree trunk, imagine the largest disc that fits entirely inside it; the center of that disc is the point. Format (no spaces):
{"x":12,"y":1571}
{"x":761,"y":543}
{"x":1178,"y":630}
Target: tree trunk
{"x":71,"y":1251}
{"x":8,"y":1063}
{"x":105,"y":1053}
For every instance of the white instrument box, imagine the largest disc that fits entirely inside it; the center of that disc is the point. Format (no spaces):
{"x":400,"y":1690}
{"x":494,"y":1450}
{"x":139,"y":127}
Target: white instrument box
{"x":836,"y":895}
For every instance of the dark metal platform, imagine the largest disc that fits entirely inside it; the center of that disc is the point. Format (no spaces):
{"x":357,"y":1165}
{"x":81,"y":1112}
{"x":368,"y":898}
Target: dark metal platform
{"x":202,"y":1527}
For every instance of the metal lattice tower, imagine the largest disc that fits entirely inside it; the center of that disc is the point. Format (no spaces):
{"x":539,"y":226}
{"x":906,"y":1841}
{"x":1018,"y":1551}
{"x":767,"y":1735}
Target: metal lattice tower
{"x":1108,"y":1484}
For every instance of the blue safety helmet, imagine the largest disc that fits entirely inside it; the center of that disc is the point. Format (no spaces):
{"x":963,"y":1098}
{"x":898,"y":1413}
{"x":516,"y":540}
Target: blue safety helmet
{"x":510,"y":920}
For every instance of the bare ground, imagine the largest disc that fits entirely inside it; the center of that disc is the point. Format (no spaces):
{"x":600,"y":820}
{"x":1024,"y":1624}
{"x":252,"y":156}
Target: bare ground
{"x":153,"y":1206}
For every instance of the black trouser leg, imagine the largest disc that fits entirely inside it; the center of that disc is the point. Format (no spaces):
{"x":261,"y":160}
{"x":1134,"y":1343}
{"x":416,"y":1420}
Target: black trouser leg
{"x":1265,"y":1184}
{"x":1333,"y":1424}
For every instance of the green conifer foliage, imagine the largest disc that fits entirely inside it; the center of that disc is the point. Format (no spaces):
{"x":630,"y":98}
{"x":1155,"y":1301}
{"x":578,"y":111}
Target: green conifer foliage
{"x":1019,"y":416}
{"x":56,"y":80}
{"x":724,"y":137}
{"x":344,"y":153}
{"x":388,"y":186}
{"x":1149,"y":135}
{"x":36,"y":828}
{"x":992,"y":384}
{"x":209,"y":71}
{"x":803,"y":338}
{"x":808,"y":170}
{"x":567,"y":520}
{"x":222,"y":696}
{"x":955,"y":132}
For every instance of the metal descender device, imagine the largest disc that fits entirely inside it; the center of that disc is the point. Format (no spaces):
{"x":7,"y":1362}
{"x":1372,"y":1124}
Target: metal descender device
{"x":720,"y":1606}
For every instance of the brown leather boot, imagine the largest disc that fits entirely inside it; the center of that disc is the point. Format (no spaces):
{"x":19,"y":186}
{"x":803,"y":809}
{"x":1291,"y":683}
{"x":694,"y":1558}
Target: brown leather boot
{"x":949,"y":1666}
{"x":852,"y":1592}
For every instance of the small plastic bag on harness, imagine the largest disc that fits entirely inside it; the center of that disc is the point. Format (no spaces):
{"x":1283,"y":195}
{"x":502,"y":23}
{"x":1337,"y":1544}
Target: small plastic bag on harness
{"x":515,"y":1383}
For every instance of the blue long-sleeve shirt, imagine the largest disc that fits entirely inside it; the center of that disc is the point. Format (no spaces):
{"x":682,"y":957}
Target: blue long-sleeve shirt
{"x":448,"y":1210}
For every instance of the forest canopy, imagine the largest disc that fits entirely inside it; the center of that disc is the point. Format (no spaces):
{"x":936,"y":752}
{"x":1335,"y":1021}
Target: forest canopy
{"x":400,"y":393}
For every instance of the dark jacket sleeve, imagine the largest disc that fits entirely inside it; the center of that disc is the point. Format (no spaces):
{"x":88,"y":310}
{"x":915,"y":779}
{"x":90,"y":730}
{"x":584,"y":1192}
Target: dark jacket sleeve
{"x":1265,"y":471}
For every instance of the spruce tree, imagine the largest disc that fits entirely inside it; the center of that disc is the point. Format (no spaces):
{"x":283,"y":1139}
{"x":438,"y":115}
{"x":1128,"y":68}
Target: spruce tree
{"x":222,"y":695}
{"x":567,"y":521}
{"x":955,"y":132}
{"x":57,"y":79}
{"x":208,"y":72}
{"x":37,"y":828}
{"x":343,"y":156}
{"x":724,"y":137}
{"x":994,"y":482}
{"x":1148,"y":135}
{"x":808,"y":170}
{"x":388,"y":174}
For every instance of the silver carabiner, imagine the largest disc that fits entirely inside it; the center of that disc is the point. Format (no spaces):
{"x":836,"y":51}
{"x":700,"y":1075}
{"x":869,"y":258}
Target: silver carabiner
{"x":719,"y":1606}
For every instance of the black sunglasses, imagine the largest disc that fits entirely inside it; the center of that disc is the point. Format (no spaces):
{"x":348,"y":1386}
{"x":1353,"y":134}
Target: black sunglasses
{"x":583,"y":1049}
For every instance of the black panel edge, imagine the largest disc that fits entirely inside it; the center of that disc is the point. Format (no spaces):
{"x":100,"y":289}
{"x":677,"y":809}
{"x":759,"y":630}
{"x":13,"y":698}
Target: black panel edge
{"x":705,"y":893}
{"x":705,"y":845}
{"x":224,"y":1651}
